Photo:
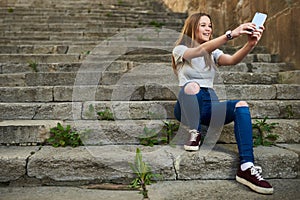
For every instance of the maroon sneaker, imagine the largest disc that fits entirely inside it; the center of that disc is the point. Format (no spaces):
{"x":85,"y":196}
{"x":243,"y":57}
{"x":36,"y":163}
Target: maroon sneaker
{"x":194,"y":142}
{"x":253,"y":179}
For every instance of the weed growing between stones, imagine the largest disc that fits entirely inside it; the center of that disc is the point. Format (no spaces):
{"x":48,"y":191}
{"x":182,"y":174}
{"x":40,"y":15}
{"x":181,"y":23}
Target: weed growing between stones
{"x":105,"y":115}
{"x":151,"y":137}
{"x":64,"y":136}
{"x":156,"y":24}
{"x":144,"y":176}
{"x":289,"y":111}
{"x":10,"y":10}
{"x":33,"y":65}
{"x":262,"y":135}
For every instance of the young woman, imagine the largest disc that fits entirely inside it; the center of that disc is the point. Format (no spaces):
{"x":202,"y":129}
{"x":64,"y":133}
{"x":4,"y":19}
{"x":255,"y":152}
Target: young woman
{"x":195,"y":57}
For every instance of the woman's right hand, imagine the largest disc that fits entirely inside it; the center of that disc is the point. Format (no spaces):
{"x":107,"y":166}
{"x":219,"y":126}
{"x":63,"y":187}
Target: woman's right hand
{"x":246,"y":28}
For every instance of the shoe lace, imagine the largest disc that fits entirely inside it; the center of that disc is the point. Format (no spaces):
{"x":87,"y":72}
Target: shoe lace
{"x":194,"y":135}
{"x":256,"y":171}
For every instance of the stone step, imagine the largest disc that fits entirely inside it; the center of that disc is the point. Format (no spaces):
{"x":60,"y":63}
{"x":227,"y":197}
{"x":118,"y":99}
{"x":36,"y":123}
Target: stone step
{"x":289,"y":77}
{"x":104,"y":15}
{"x":146,"y":91}
{"x":55,"y":49}
{"x":77,"y":5}
{"x":39,"y":58}
{"x":117,"y":65}
{"x":25,"y":132}
{"x":117,"y":78}
{"x":119,"y":54}
{"x":73,"y":25}
{"x":102,"y":132}
{"x":109,"y":163}
{"x":133,"y":110}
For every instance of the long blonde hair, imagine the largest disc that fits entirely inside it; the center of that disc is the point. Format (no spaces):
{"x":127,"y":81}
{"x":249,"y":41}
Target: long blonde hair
{"x":188,"y":37}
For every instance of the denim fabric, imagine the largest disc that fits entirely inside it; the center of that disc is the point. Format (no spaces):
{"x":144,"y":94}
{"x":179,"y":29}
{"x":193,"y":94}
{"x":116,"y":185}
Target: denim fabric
{"x":204,"y":108}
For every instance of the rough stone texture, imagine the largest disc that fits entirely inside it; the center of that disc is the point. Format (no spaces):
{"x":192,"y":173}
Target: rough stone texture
{"x":132,"y":110}
{"x":217,"y":164}
{"x":274,"y":159}
{"x":26,"y":94}
{"x":102,"y":163}
{"x":14,"y":80}
{"x":40,"y":111}
{"x":275,"y":109}
{"x":288,"y":131}
{"x":289,"y":77}
{"x":263,"y":67}
{"x":92,"y":163}
{"x":13,"y":162}
{"x":46,"y":58}
{"x":288,"y":91}
{"x":8,"y":68}
{"x":128,"y":131}
{"x":245,"y":78}
{"x":282,"y":19}
{"x":151,"y":91}
{"x":25,"y":131}
{"x":50,"y":79}
{"x":284,"y":189}
{"x":115,"y":132}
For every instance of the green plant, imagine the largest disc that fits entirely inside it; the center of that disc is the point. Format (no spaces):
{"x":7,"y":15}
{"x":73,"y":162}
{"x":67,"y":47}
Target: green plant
{"x":10,"y":10}
{"x":156,"y":24}
{"x":120,"y":2}
{"x":33,"y":65}
{"x":64,"y":136}
{"x":261,"y":137}
{"x":149,"y":137}
{"x":289,"y":110}
{"x":105,"y":115}
{"x":143,"y":173}
{"x":169,"y":129}
{"x":109,"y":14}
{"x":143,"y":38}
{"x":153,"y":115}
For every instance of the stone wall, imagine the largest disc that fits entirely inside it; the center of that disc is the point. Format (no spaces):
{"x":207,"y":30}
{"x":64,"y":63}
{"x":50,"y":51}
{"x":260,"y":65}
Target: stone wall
{"x":282,"y":25}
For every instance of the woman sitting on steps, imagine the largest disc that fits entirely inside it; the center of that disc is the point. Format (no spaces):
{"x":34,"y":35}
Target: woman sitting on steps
{"x":194,"y":62}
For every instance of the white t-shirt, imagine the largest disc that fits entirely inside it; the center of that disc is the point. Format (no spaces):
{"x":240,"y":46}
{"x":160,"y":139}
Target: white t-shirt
{"x":195,"y":70}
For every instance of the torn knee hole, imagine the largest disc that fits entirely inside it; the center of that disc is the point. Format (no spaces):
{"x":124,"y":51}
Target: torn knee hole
{"x":192,"y":88}
{"x":242,"y":104}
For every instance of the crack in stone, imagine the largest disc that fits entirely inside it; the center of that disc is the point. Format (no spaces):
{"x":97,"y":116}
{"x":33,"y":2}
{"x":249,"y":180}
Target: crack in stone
{"x":174,"y":163}
{"x":27,"y":159}
{"x":35,"y":112}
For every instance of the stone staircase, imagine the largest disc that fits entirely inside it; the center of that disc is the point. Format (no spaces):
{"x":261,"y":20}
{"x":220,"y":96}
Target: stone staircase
{"x":65,"y":61}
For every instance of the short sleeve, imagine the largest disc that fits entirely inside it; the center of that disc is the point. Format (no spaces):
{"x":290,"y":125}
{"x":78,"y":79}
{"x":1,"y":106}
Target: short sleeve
{"x":178,"y":52}
{"x":216,"y":54}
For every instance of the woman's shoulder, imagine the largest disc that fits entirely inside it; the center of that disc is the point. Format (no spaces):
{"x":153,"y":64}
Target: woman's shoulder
{"x":217,"y":52}
{"x":179,"y":48}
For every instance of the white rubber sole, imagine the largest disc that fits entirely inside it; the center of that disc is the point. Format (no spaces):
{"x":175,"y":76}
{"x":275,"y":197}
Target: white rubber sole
{"x":191,"y":148}
{"x":254,"y":187}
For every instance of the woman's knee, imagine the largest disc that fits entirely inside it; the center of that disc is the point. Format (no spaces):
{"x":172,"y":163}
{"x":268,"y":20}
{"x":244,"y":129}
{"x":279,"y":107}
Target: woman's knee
{"x":192,"y":88}
{"x":241,"y":104}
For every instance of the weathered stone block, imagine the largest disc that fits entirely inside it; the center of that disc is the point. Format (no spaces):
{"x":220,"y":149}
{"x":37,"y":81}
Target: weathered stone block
{"x":96,"y":163}
{"x":13,"y":162}
{"x":26,"y":94}
{"x":25,"y":131}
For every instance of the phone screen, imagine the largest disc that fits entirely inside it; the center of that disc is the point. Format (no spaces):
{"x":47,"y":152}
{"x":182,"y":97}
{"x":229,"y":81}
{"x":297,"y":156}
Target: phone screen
{"x":259,"y":19}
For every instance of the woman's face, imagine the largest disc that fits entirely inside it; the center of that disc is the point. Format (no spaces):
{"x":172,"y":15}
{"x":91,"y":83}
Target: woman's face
{"x":204,"y":29}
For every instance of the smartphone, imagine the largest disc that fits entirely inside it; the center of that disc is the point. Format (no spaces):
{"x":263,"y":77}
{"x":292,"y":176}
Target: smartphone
{"x":259,"y":19}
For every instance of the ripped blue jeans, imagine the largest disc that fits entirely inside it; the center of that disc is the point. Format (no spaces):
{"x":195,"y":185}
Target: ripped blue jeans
{"x":204,"y":108}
